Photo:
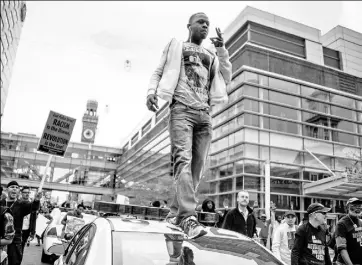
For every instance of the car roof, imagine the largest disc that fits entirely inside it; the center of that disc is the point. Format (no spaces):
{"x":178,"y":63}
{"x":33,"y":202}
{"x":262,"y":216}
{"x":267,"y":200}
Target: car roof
{"x":126,"y":224}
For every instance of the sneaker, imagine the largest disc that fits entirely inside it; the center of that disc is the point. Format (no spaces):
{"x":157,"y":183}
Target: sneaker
{"x":192,"y":228}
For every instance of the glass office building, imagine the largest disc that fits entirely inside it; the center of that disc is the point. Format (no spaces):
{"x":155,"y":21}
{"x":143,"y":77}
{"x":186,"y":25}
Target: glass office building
{"x":295,"y":95}
{"x":13,"y":15}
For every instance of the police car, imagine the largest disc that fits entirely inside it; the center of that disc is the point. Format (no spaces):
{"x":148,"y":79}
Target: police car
{"x":129,"y":240}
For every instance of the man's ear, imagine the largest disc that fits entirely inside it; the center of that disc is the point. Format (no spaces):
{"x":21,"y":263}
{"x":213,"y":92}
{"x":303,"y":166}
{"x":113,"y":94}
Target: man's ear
{"x":188,"y":26}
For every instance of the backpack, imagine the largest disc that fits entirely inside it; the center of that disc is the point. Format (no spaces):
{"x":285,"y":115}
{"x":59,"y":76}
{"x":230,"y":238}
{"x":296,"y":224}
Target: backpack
{"x":4,"y":210}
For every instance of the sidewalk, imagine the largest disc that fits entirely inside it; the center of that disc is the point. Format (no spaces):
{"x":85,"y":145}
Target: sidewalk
{"x":32,"y":255}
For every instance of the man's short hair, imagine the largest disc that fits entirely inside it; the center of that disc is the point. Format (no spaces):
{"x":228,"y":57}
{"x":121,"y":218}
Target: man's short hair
{"x":194,"y":15}
{"x":243,"y":191}
{"x":80,"y":205}
{"x":25,"y":188}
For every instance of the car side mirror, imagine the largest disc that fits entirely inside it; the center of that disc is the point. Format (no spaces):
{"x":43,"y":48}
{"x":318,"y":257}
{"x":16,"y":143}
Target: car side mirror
{"x":57,"y":249}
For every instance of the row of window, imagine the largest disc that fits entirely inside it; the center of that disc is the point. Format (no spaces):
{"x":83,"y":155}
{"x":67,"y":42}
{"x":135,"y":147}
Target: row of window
{"x":314,"y":95}
{"x":251,"y":151}
{"x":278,"y":40}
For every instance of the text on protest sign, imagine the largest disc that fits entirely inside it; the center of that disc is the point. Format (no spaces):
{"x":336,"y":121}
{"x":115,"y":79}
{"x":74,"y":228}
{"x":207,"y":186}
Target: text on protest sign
{"x":56,"y":135}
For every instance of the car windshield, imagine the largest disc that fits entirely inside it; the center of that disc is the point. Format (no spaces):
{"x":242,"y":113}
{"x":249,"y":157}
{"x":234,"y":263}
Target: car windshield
{"x":137,"y":248}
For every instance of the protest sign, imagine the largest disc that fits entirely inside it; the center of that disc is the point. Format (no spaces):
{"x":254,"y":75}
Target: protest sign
{"x":41,"y":224}
{"x":56,"y":135}
{"x":73,"y":225}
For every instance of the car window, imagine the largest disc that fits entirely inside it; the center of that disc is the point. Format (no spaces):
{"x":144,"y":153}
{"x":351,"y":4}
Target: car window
{"x":74,"y":240}
{"x":81,"y":247}
{"x":137,"y":248}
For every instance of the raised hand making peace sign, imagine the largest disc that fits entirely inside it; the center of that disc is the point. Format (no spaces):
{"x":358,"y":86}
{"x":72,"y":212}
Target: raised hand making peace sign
{"x":218,"y":41}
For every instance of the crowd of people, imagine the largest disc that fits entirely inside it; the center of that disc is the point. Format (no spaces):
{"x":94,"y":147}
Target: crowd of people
{"x":306,"y":243}
{"x":18,"y":221}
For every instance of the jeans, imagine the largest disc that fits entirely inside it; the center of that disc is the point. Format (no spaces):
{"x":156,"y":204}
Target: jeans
{"x":190,"y":134}
{"x":15,"y":254}
{"x":25,"y":236}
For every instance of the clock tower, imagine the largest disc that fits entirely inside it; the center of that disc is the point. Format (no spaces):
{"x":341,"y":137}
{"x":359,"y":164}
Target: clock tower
{"x":90,"y":122}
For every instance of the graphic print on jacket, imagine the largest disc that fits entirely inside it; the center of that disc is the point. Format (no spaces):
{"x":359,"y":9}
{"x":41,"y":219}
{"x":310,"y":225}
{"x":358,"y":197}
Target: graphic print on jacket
{"x":195,"y":78}
{"x":291,"y":238}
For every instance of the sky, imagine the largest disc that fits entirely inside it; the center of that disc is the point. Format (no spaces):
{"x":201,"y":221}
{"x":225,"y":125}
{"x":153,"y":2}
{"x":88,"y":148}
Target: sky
{"x":71,"y":52}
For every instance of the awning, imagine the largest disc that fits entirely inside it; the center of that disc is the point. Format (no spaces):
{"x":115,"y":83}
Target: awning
{"x":341,"y":186}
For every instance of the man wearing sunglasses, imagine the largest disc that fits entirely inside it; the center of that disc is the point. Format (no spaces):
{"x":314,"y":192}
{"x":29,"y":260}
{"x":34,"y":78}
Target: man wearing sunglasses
{"x":349,"y":234}
{"x":310,"y":246}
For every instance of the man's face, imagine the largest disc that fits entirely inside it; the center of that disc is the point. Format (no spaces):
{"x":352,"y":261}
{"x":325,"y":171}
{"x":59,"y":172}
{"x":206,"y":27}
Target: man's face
{"x":320,"y":217}
{"x":279,"y":219}
{"x":243,"y":198}
{"x":199,"y":26}
{"x":263,"y":219}
{"x":355,"y":210}
{"x":290,"y":219}
{"x":25,"y":194}
{"x":80,"y":210}
{"x":13,"y":192}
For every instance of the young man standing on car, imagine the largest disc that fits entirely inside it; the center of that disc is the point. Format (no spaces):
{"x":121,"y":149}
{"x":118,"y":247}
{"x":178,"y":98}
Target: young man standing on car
{"x":29,"y":222}
{"x":19,"y":209}
{"x":348,"y":234}
{"x":192,"y":79}
{"x":241,"y":219}
{"x":310,"y":246}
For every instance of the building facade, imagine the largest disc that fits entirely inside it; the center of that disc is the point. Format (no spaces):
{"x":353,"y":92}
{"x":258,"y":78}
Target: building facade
{"x":294,"y":103}
{"x":13,"y":15}
{"x":83,"y":164}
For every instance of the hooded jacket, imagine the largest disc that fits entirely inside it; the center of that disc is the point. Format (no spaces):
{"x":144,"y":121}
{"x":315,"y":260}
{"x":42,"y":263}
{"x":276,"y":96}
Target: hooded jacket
{"x":205,"y":208}
{"x":166,"y":77}
{"x":235,"y":221}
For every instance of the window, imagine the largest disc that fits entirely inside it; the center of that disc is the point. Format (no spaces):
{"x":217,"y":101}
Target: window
{"x":284,"y":98}
{"x":332,"y":58}
{"x":252,"y":183}
{"x":251,"y":166}
{"x":344,"y":113}
{"x":278,"y":40}
{"x":284,"y":171}
{"x":284,"y":85}
{"x":286,"y":156}
{"x":226,"y":185}
{"x":77,"y":251}
{"x":315,"y":105}
{"x":248,"y":90}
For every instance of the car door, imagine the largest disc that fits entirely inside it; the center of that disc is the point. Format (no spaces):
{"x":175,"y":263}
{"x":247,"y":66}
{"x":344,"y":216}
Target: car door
{"x":79,"y":252}
{"x":71,"y":246}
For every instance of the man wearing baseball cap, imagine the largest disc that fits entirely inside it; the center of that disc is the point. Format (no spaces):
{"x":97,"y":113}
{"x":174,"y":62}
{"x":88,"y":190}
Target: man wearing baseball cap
{"x":284,"y":236}
{"x":19,"y":209}
{"x":310,"y":246}
{"x":349,"y":234}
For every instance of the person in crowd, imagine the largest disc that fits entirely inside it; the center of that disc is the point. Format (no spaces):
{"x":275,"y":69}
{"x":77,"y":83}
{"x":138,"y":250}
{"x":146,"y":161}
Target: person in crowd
{"x":192,"y":79}
{"x":47,"y":215}
{"x":76,"y":213}
{"x":310,"y":246}
{"x":29,"y":222}
{"x":348,"y":234}
{"x":19,"y":209}
{"x":7,"y":231}
{"x":263,"y":224}
{"x":208,"y":206}
{"x":241,"y":219}
{"x":284,"y":237}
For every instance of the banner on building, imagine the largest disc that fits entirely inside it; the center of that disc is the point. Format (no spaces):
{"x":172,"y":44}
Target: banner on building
{"x":56,"y":135}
